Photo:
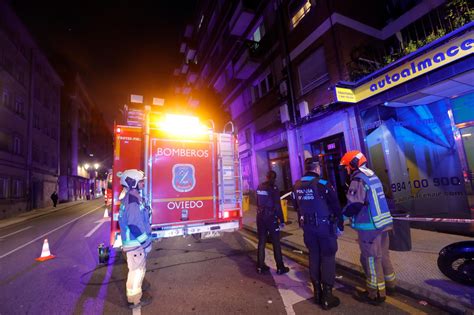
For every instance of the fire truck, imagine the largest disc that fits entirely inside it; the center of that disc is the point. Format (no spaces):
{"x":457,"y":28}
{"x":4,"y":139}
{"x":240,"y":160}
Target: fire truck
{"x":193,"y":177}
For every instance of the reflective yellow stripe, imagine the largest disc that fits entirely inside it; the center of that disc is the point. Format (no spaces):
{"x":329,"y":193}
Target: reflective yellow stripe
{"x":372,"y":277}
{"x":390,"y":277}
{"x":142,"y":238}
{"x":183,"y":199}
{"x":383,"y":222}
{"x":376,"y":201}
{"x":381,"y":285}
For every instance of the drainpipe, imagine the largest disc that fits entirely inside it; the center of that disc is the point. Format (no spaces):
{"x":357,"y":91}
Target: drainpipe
{"x":286,"y":56}
{"x":29,"y":142}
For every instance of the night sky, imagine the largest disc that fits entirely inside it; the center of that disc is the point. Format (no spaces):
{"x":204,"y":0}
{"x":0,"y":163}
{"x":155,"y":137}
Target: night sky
{"x":119,"y":47}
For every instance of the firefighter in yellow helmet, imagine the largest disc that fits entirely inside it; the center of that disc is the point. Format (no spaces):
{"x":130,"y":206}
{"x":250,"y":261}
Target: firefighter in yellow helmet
{"x":136,"y":235}
{"x":371,"y":218}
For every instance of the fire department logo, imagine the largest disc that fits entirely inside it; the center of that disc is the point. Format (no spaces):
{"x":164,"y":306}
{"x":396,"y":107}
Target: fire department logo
{"x":184,"y":178}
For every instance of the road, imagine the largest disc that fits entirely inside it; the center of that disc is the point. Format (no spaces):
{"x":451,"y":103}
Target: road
{"x":213,"y":276}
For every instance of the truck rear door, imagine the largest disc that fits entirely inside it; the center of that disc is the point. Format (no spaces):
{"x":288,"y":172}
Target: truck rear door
{"x":183,"y":179}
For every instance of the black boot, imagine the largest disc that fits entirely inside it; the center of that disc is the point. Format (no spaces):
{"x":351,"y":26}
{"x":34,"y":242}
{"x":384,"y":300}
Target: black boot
{"x":318,"y":292}
{"x":328,"y":300}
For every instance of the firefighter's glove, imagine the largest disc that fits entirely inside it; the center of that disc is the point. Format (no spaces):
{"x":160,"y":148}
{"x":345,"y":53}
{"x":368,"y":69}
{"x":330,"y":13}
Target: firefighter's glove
{"x":339,"y":232}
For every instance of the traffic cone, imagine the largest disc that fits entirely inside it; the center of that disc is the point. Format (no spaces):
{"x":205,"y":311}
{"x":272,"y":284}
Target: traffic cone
{"x":106,"y":213}
{"x":45,"y":253}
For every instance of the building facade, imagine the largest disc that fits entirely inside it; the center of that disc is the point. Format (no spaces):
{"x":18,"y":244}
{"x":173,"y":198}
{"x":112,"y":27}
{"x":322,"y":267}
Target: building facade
{"x":29,"y":120}
{"x":86,"y":143}
{"x":290,"y":73}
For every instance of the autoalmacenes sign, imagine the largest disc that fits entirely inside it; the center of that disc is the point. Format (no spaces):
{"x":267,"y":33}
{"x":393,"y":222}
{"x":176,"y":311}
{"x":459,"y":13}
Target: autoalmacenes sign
{"x":449,"y":52}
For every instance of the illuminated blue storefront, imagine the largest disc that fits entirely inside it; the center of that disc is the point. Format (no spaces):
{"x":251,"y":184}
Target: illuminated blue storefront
{"x":416,"y":125}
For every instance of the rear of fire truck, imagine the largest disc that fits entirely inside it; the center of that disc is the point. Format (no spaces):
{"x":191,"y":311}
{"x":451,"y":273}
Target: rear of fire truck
{"x":193,"y":180}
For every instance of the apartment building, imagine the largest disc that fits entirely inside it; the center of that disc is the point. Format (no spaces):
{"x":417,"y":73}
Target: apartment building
{"x":29,"y":119}
{"x":86,"y":143}
{"x":308,"y":78}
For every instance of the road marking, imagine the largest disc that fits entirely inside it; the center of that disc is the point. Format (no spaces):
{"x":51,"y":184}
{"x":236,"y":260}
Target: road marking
{"x":45,"y":234}
{"x":101,"y":221}
{"x":5,"y":236}
{"x":290,"y":286}
{"x":398,"y":304}
{"x":289,"y":299}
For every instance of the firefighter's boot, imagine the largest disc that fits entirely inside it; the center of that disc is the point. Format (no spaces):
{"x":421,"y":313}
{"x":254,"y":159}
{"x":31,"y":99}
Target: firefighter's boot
{"x":318,"y":292}
{"x":328,"y":300}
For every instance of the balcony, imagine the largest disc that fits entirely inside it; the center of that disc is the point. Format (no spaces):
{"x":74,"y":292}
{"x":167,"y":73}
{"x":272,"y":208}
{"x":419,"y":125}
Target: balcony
{"x":251,"y":57}
{"x":193,"y":72}
{"x":242,"y":17}
{"x":190,"y":52}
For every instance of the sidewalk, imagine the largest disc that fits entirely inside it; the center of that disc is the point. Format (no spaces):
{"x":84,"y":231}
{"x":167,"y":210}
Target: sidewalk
{"x":37,"y":213}
{"x":417,"y":270}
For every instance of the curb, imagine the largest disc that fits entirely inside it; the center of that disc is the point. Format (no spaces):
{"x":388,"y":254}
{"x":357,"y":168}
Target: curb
{"x":414,"y":291}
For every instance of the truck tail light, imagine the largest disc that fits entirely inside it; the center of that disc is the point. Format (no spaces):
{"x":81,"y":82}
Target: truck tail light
{"x":119,"y":130}
{"x":231,"y":214}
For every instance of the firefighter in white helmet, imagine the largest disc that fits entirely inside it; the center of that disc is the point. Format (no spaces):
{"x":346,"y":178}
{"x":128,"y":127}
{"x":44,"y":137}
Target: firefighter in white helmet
{"x":136,"y":235}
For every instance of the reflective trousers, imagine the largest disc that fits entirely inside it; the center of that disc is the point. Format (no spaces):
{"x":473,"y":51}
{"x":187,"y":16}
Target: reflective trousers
{"x":375,"y":259}
{"x":321,"y":242}
{"x":136,"y":262}
{"x":268,"y":225}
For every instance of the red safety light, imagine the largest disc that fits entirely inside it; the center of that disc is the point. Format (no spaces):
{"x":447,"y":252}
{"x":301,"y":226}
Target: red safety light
{"x":119,"y":130}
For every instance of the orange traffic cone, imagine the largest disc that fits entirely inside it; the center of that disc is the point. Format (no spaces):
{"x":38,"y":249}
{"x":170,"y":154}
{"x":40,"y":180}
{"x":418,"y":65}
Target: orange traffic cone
{"x":45,"y":254}
{"x":106,"y":213}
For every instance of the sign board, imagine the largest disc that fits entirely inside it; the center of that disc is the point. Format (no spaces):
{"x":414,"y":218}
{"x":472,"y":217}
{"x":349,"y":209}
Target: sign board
{"x":433,"y":59}
{"x":181,"y":179}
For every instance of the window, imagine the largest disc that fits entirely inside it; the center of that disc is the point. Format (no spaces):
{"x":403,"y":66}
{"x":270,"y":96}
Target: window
{"x":258,"y":33}
{"x":36,"y":121}
{"x":17,"y":188}
{"x":298,"y":9}
{"x":312,"y":71}
{"x":261,"y":87}
{"x":4,"y":189}
{"x":6,"y":98}
{"x":17,"y":145}
{"x":5,"y":141}
{"x":19,"y":106}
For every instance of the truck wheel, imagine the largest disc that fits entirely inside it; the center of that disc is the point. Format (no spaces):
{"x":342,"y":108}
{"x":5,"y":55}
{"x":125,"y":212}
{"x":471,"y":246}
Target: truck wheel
{"x":197,"y":236}
{"x":456,"y":261}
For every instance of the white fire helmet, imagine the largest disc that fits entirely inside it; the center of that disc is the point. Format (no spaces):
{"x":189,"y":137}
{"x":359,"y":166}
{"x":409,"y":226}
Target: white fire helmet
{"x":130,"y":178}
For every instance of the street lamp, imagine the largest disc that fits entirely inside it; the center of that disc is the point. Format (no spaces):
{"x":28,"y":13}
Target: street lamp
{"x":96,"y":165}
{"x":86,"y":166}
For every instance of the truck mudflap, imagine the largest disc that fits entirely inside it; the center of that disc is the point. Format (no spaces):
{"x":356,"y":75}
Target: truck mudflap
{"x":183,"y":230}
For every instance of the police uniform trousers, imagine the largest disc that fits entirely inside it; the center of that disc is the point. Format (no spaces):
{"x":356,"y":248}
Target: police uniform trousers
{"x":321,"y":241}
{"x":136,"y":262}
{"x":375,"y":259}
{"x":267,"y":224}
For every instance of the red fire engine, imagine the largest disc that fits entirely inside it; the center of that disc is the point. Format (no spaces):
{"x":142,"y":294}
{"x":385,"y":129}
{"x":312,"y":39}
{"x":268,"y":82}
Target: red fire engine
{"x":193,"y":180}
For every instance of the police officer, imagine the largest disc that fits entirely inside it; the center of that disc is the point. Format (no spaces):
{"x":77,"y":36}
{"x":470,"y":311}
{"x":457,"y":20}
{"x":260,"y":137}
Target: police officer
{"x":371,"y":218}
{"x":269,"y":221}
{"x":321,"y":219}
{"x":136,"y":236}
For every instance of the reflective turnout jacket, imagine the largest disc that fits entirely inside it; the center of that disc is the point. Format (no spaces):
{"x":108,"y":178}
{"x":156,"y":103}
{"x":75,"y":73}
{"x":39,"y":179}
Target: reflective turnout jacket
{"x":367,"y":204}
{"x":134,"y":223}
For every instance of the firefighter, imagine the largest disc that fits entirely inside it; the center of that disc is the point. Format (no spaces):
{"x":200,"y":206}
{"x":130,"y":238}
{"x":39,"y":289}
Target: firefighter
{"x":269,"y":221}
{"x":371,"y":218}
{"x":320,"y":215}
{"x":136,"y":236}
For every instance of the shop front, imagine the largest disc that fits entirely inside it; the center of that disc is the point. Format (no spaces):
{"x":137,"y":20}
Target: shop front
{"x":416,"y":123}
